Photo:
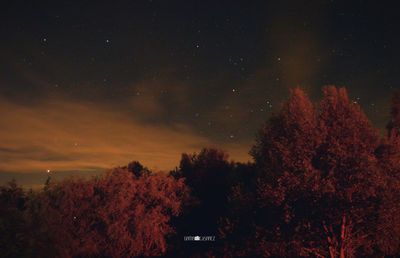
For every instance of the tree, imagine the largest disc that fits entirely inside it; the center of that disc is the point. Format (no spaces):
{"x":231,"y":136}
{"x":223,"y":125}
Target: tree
{"x":22,"y":231}
{"x":117,"y":214}
{"x":394,"y":123}
{"x":288,"y":141}
{"x":388,"y":154}
{"x":321,"y":184}
{"x":137,"y":169}
{"x":12,"y":220}
{"x":347,"y":163}
{"x":284,"y":152}
{"x":209,"y":177}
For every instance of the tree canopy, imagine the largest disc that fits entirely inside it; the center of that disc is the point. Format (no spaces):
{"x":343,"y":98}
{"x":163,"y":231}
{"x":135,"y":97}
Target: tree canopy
{"x":323,"y":183}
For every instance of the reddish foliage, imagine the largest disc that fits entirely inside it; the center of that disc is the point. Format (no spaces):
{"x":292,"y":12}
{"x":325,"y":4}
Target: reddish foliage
{"x":322,"y":185}
{"x":393,"y":126}
{"x":116,"y":215}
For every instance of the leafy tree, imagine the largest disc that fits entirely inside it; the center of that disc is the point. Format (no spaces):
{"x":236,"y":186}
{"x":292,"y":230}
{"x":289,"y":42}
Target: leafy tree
{"x":323,"y":184}
{"x":321,"y":187}
{"x":284,"y":153}
{"x":394,"y":123}
{"x":21,"y":225}
{"x":388,"y":154}
{"x":347,"y":164}
{"x":12,"y":221}
{"x":137,"y":169}
{"x":117,"y":214}
{"x":209,"y":178}
{"x":288,"y":141}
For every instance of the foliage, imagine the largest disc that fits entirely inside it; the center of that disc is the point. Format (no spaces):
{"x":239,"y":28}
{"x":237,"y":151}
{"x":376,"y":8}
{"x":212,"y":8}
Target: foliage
{"x":117,"y":214}
{"x":323,"y":189}
{"x":208,"y":175}
{"x":322,"y":184}
{"x":22,"y":229}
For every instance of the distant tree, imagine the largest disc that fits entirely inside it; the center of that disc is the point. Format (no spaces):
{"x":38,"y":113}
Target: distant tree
{"x":41,"y":242}
{"x":394,"y":123}
{"x":116,"y":215}
{"x":12,"y":221}
{"x":207,"y":173}
{"x":22,"y":232}
{"x":208,"y":176}
{"x":47,"y":183}
{"x":236,"y":229}
{"x":137,"y":169}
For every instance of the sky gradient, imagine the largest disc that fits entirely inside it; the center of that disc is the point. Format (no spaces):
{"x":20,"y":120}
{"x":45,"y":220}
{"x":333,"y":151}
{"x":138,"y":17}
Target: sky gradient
{"x":89,"y":86}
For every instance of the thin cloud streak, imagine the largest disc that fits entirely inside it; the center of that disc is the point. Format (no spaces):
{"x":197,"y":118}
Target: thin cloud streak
{"x":70,"y":136}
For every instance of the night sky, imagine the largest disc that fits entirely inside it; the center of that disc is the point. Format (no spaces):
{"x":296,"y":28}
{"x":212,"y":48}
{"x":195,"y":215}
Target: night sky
{"x":86,"y":86}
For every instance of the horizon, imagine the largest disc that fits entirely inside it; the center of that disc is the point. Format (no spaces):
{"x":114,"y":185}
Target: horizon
{"x":36,"y":176}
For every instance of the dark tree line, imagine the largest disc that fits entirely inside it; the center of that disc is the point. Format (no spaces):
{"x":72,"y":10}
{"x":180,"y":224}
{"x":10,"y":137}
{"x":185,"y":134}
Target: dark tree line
{"x":323,"y":184}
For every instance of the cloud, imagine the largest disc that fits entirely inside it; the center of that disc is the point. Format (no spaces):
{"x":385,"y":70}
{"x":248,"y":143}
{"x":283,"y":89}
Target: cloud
{"x":155,"y":99}
{"x":63,"y":136}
